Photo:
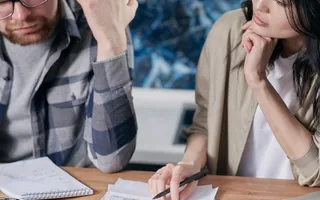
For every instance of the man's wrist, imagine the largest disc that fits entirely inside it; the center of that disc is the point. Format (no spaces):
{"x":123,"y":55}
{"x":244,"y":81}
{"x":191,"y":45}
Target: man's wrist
{"x":111,"y":46}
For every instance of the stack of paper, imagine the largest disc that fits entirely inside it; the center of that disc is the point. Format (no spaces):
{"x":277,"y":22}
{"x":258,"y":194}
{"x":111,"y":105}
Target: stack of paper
{"x":134,"y":190}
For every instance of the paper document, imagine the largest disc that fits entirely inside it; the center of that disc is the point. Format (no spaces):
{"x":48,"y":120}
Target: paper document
{"x":39,"y":179}
{"x":135,"y":190}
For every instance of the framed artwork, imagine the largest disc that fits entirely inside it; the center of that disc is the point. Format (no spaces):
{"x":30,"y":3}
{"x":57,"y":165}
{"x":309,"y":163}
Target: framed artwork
{"x":168,"y":36}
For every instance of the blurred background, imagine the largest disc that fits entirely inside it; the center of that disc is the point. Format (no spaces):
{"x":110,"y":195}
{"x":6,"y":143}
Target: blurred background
{"x":168,"y":36}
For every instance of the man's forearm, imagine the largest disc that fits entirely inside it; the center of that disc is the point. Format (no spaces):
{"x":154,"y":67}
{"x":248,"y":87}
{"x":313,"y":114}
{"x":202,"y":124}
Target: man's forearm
{"x":196,"y":151}
{"x":115,"y":161}
{"x":113,"y":118}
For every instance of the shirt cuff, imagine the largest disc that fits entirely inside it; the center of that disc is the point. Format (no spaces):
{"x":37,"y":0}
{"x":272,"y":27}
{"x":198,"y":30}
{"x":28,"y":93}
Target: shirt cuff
{"x":111,"y":59}
{"x":112,"y":73}
{"x":309,"y":163}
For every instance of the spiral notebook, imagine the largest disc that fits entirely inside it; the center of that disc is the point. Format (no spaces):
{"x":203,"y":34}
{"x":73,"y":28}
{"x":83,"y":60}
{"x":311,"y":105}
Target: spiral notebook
{"x":39,"y":179}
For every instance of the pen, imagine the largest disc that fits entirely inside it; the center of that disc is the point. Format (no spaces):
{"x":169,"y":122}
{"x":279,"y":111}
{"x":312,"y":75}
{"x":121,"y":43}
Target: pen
{"x":3,"y":198}
{"x":194,"y":177}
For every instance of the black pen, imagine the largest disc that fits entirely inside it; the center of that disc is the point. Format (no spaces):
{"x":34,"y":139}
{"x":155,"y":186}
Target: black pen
{"x":194,"y":177}
{"x":4,"y":198}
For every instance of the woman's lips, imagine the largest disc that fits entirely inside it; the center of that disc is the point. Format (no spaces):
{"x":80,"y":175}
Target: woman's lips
{"x":258,"y":20}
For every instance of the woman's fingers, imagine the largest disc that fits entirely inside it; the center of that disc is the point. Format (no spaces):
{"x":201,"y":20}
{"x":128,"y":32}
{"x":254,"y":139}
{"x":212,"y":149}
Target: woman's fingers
{"x":246,"y":42}
{"x":157,"y":183}
{"x":179,"y":174}
{"x":246,"y":26}
{"x":187,"y":191}
{"x":173,"y":175}
{"x":162,"y":181}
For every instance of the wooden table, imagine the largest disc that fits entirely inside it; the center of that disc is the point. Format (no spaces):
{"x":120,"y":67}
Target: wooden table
{"x":230,"y":188}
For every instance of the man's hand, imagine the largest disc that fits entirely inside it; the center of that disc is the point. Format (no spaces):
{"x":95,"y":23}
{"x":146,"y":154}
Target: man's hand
{"x":259,"y":50}
{"x":108,"y":20}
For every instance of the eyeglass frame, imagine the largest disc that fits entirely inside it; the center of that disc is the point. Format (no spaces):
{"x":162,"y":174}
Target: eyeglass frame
{"x":23,"y":4}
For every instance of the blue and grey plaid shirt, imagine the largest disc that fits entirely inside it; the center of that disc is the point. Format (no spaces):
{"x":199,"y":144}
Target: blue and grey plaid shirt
{"x":82,"y":112}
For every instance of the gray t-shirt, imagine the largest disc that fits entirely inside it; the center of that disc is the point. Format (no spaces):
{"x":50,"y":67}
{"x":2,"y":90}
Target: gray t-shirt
{"x":28,"y":63}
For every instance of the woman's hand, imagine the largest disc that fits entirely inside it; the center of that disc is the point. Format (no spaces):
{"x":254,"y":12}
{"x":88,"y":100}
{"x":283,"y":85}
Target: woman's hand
{"x":259,"y":50}
{"x":172,"y":175}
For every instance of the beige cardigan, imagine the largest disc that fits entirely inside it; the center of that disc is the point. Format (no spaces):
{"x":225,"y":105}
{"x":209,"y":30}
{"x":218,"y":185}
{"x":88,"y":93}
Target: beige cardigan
{"x":226,"y":107}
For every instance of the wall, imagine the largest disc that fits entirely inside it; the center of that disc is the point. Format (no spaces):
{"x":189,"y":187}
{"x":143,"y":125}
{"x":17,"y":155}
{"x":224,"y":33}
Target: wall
{"x":168,"y":36}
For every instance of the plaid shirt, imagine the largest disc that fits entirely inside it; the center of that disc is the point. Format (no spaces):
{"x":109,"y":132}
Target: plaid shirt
{"x":82,"y":112}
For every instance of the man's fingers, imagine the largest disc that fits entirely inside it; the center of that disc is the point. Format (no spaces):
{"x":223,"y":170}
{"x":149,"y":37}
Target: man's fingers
{"x":132,"y":7}
{"x":132,"y":3}
{"x":82,"y":3}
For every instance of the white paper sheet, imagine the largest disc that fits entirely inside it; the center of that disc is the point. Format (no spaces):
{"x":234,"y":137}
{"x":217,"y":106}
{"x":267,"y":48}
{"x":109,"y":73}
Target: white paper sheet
{"x":135,"y":190}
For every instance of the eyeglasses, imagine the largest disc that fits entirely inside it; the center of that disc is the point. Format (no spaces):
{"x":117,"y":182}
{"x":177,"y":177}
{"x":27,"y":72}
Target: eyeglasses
{"x":7,"y":6}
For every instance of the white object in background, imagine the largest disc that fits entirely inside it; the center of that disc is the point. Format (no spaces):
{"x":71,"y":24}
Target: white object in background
{"x":133,"y":190}
{"x":159,"y":113}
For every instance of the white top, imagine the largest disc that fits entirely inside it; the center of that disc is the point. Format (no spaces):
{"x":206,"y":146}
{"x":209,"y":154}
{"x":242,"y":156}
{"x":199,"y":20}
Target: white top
{"x":263,"y":156}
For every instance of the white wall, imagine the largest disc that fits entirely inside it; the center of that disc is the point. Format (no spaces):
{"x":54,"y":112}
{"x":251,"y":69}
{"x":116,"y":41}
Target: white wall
{"x":158,"y":114}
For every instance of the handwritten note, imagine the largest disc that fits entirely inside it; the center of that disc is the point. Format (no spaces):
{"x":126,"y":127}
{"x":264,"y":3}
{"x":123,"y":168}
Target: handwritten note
{"x":38,"y":176}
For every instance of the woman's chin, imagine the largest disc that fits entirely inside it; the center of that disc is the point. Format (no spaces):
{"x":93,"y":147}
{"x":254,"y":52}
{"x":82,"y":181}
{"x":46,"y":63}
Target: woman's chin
{"x":262,"y":31}
{"x":273,"y":33}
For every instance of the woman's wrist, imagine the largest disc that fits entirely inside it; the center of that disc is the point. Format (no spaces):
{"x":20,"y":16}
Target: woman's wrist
{"x":192,"y":163}
{"x":256,"y":80}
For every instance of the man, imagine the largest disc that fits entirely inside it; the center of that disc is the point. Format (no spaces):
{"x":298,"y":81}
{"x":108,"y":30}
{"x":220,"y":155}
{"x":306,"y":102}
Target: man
{"x":65,"y":87}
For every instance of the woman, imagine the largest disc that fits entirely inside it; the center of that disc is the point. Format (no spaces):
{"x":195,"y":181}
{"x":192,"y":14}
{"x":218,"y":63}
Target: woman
{"x":257,"y":98}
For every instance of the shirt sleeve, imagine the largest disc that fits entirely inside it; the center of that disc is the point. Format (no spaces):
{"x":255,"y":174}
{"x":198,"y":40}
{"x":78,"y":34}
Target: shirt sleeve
{"x":111,"y":128}
{"x":309,"y":165}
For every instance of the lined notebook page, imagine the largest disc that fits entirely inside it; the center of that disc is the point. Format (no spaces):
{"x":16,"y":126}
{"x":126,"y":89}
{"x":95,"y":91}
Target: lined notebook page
{"x":39,"y":176}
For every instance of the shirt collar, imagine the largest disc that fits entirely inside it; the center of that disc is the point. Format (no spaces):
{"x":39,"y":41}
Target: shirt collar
{"x":69,"y":10}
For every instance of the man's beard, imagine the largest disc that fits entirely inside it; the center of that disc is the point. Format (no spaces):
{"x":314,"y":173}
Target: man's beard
{"x":40,"y":34}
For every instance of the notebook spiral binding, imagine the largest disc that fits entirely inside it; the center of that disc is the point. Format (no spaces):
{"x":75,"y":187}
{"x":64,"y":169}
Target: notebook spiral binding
{"x":57,"y":194}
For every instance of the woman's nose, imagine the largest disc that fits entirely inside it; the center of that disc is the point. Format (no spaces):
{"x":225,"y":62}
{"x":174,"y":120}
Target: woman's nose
{"x":262,"y":5}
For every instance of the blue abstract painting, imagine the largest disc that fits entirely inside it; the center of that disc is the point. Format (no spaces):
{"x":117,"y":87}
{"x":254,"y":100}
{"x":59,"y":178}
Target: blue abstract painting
{"x":168,"y":36}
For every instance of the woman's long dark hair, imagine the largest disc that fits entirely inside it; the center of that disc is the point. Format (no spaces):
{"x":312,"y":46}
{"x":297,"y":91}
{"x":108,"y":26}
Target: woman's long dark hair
{"x":304,"y":17}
